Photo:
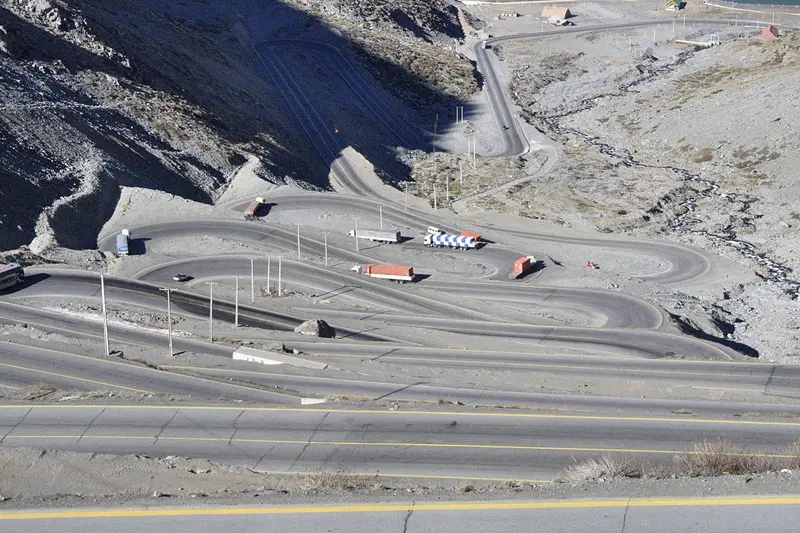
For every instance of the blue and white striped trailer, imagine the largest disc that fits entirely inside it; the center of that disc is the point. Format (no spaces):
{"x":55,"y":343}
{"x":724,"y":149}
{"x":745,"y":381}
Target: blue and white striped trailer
{"x":451,"y":241}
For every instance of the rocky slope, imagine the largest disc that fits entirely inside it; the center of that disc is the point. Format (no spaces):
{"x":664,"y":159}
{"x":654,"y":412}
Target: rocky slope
{"x":95,"y":96}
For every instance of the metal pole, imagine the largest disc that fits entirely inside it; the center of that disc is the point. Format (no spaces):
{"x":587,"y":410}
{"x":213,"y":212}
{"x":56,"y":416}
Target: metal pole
{"x":211,"y":310}
{"x":447,"y":188}
{"x":406,"y":186}
{"x":380,"y":210}
{"x":435,"y":128}
{"x":435,"y":205}
{"x":280,"y":261}
{"x":252,"y":283}
{"x":298,"y":242}
{"x":169,"y":318}
{"x":105,"y":316}
{"x":460,"y":173}
{"x":269,"y":263}
{"x":326,"y":249}
{"x":356,"y":234}
{"x":236,"y":305}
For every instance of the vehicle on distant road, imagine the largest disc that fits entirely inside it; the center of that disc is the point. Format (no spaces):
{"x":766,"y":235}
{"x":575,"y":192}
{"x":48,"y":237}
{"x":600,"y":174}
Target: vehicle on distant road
{"x":398,"y":274}
{"x":122,"y":242}
{"x":251,"y":213}
{"x":484,"y":45}
{"x":591,"y":265}
{"x":11,"y":274}
{"x":392,"y":237}
{"x":434,"y":230}
{"x":451,"y":241}
{"x":182,"y":277}
{"x":522,"y":266}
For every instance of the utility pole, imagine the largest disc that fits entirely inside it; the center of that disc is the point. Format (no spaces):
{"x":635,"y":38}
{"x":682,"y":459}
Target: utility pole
{"x":654,"y":36}
{"x":252,"y":283}
{"x":380,"y":210}
{"x":460,"y":173}
{"x":326,"y":248}
{"x":356,"y":234}
{"x":211,"y":310}
{"x":236,"y":305}
{"x":447,"y":188}
{"x":269,"y":262}
{"x":298,"y":243}
{"x":169,"y":318}
{"x":435,"y":129}
{"x":673,"y":24}
{"x":405,"y":183}
{"x":105,"y":316}
{"x":280,"y":289}
{"x":435,"y":205}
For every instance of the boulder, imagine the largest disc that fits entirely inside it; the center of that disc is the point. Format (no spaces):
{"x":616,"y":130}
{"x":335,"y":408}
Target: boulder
{"x":317,"y":328}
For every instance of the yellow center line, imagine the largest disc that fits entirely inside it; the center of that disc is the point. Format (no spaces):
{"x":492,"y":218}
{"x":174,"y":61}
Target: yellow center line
{"x":449,"y":445}
{"x":74,"y":378}
{"x":554,"y":365}
{"x":448,"y":414}
{"x":404,"y":508}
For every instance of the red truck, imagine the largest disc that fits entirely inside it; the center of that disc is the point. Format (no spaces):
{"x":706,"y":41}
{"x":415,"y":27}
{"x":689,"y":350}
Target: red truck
{"x":471,"y":234}
{"x":251,"y":213}
{"x":522,"y":266}
{"x":399,"y":274}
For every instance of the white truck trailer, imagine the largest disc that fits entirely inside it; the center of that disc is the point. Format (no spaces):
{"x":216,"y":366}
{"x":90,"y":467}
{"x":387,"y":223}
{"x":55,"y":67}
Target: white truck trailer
{"x":391,"y":237}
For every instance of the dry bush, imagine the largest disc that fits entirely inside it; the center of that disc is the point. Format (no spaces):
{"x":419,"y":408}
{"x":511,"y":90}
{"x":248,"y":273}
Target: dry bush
{"x":333,"y":480}
{"x":719,"y":457}
{"x":793,"y":462}
{"x":606,"y":467}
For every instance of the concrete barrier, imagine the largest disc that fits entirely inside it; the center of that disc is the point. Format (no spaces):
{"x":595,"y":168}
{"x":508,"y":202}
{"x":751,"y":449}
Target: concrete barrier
{"x":263,"y":357}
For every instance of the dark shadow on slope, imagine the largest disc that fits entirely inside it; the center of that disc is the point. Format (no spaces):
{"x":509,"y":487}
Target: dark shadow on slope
{"x":243,"y":123}
{"x":689,"y":329}
{"x":244,"y":120}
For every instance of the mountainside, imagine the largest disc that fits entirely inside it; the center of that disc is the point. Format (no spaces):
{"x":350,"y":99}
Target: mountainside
{"x":95,"y":96}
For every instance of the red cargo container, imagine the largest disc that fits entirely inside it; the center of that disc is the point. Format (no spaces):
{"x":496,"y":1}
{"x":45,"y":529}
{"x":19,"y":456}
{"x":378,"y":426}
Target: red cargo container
{"x":521,"y":266}
{"x":389,"y":271}
{"x":471,"y":234}
{"x":252,"y":210}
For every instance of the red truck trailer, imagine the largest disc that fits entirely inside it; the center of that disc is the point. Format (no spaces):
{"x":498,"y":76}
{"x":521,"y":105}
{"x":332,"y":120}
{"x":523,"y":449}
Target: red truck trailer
{"x":400,"y":274}
{"x":522,"y":266}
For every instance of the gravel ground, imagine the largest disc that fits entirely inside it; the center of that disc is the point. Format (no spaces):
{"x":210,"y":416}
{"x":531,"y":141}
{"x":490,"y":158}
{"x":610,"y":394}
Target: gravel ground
{"x":47,"y":479}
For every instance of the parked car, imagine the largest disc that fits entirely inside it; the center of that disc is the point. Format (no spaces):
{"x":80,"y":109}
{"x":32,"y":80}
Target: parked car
{"x":182,"y":277}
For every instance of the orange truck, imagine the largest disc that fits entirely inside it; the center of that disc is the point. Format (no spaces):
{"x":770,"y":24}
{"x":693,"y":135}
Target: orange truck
{"x":251,"y":213}
{"x":522,"y":266}
{"x":399,"y":274}
{"x":471,"y":234}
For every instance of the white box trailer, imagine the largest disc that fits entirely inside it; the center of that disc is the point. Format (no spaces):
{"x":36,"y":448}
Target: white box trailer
{"x":392,"y":237}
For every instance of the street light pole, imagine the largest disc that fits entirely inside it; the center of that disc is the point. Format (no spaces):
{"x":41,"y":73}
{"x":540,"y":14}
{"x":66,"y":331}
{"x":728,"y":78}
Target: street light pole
{"x":236,"y":304}
{"x":252,"y":283}
{"x":211,"y":310}
{"x":280,"y":263}
{"x":269,"y":262}
{"x":169,"y":318}
{"x":298,"y":242}
{"x":356,"y":234}
{"x":105,"y":316}
{"x":380,"y":210}
{"x":326,"y":248}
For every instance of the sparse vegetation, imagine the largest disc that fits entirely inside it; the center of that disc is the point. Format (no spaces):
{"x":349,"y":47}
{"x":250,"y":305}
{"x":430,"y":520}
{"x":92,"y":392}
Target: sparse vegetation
{"x":606,"y":467}
{"x":710,"y":458}
{"x":340,"y":480}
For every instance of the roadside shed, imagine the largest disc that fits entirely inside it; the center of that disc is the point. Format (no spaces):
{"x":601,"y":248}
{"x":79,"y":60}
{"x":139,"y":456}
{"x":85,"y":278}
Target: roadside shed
{"x":770,"y":33}
{"x":556,"y":11}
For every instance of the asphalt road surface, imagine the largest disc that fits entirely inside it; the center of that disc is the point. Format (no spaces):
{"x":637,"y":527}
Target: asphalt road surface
{"x":494,"y":446}
{"x":776,"y":514}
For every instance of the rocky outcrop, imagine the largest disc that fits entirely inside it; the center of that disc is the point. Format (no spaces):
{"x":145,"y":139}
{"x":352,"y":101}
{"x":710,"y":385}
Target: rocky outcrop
{"x":316,"y":328}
